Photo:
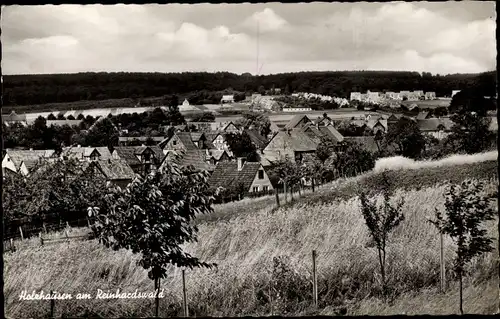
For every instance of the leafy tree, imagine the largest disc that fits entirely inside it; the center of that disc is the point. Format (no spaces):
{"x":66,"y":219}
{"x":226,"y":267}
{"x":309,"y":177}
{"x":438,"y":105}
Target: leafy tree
{"x":103,"y":133}
{"x":257,"y":121}
{"x":174,"y":116}
{"x":70,"y":117}
{"x":241,"y":145}
{"x":465,"y":212}
{"x":381,"y":221}
{"x":80,"y":116}
{"x":470,"y":133}
{"x":471,"y":100}
{"x":325,"y":148}
{"x":152,"y":217}
{"x":60,"y":117}
{"x":408,"y":138}
{"x":51,"y":117}
{"x":286,"y":173}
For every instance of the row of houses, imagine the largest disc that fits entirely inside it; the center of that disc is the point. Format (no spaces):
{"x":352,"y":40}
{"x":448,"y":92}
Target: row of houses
{"x":375,"y":97}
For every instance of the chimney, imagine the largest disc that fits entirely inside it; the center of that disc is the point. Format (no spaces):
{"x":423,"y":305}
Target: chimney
{"x":241,"y":161}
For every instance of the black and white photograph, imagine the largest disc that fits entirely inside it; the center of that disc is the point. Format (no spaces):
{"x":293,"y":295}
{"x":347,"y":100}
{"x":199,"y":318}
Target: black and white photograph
{"x":250,"y":159}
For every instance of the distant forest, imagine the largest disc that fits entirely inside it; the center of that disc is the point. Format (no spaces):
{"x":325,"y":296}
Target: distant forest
{"x":63,"y":88}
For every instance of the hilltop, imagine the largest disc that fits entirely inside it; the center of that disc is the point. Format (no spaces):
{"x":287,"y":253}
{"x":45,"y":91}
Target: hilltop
{"x":253,"y":241}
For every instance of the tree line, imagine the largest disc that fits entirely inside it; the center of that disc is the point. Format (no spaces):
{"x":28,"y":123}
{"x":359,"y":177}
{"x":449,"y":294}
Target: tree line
{"x":59,"y":88}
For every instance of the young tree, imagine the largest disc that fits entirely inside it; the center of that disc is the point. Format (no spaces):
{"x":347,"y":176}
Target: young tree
{"x":466,"y":209}
{"x":152,"y":217}
{"x":381,"y":221}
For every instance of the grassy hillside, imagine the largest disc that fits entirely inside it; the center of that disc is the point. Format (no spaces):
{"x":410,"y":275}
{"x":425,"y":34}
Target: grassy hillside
{"x":264,"y":245}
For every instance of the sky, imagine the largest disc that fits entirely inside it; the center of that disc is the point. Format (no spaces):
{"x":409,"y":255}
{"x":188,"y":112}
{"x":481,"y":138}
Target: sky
{"x":443,"y":37}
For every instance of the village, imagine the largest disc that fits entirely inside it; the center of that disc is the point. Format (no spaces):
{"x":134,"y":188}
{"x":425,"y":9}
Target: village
{"x":204,"y":146}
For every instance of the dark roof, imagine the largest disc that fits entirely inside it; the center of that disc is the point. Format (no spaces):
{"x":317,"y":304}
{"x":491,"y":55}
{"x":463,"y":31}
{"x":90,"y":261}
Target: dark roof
{"x":186,"y":140}
{"x":19,"y":156}
{"x":422,"y":115}
{"x":196,"y":158}
{"x":14,"y":117}
{"x":368,"y":143}
{"x":212,"y":135}
{"x":331,"y":132}
{"x":226,"y":175}
{"x":140,"y":138}
{"x":296,"y":120}
{"x":259,"y":140}
{"x":128,"y":153}
{"x":115,"y":169}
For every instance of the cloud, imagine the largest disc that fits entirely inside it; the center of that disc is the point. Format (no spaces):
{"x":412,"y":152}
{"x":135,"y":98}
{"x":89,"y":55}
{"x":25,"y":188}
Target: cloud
{"x":298,"y":37}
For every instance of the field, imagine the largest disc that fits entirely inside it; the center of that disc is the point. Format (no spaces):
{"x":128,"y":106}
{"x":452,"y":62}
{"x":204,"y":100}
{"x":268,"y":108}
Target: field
{"x":255,"y":244}
{"x":429,"y":104}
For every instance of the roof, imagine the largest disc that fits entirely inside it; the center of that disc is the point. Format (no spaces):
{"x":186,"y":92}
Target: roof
{"x":128,"y":153}
{"x":226,"y":175}
{"x":140,"y":138}
{"x":115,"y":169}
{"x":195,"y":136}
{"x":331,"y":132}
{"x":19,"y":156}
{"x":368,"y":143}
{"x":193,"y":157}
{"x":186,"y":140}
{"x":211,"y":136}
{"x":227,"y":97}
{"x":422,"y":115}
{"x":81,"y":152}
{"x":429,"y":125}
{"x":257,"y":139}
{"x":296,"y":120}
{"x":217,"y":154}
{"x":63,"y":122}
{"x":13,"y":116}
{"x":372,"y":123}
{"x":296,"y":140}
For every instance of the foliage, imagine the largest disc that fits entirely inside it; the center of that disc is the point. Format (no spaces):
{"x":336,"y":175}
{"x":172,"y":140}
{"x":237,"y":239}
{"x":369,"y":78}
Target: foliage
{"x":381,"y":221}
{"x":408,"y":138}
{"x":470,"y":134}
{"x":466,"y":209}
{"x":203,"y":117}
{"x":57,"y":188}
{"x":257,"y":121}
{"x":241,"y":145}
{"x":40,"y":89}
{"x":350,"y":160}
{"x":326,"y":148}
{"x":152,"y":217}
{"x":472,"y":100}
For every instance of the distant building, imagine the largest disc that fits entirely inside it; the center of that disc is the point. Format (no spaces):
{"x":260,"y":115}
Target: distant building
{"x":454,"y":92}
{"x":296,"y":109}
{"x":185,"y":103}
{"x":20,"y":161}
{"x":227,"y":99}
{"x":439,"y":128}
{"x":430,"y":95}
{"x":355,"y":96}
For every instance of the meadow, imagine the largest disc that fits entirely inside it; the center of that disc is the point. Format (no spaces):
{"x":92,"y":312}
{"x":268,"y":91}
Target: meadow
{"x":264,"y":259}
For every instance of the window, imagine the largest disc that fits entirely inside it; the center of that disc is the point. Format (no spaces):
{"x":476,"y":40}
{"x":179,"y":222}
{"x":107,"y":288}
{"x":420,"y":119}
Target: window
{"x":174,"y":143}
{"x":147,"y":157}
{"x":261,"y":174}
{"x":266,"y":188}
{"x":255,"y":189}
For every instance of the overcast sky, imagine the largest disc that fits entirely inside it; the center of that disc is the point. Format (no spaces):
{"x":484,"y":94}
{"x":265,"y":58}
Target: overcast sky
{"x":445,"y":37}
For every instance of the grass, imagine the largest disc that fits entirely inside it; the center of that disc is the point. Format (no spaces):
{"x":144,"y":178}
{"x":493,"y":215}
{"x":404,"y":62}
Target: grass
{"x":260,"y":243}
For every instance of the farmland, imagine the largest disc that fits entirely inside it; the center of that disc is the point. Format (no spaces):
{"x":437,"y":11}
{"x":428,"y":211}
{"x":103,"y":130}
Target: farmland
{"x":245,"y":240}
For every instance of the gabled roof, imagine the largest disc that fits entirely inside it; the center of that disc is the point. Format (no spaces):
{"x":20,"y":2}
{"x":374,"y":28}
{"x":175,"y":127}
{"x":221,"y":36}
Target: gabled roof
{"x":211,"y":136}
{"x":82,"y":152}
{"x":127,"y":153}
{"x":19,"y":156}
{"x":226,"y":175}
{"x":192,"y":157}
{"x":115,"y":169}
{"x":140,"y":138}
{"x":372,"y":123}
{"x":256,"y":138}
{"x":217,"y":154}
{"x":331,"y":132}
{"x":186,"y":140}
{"x":422,"y":115}
{"x":296,"y":120}
{"x":196,"y":136}
{"x":297,"y":140}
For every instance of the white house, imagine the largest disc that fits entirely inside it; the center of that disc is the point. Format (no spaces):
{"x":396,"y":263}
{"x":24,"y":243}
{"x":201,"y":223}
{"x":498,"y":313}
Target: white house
{"x":227,"y":99}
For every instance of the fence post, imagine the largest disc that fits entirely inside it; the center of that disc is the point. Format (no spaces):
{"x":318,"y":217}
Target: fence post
{"x":186,"y":311}
{"x":41,"y":238}
{"x":67,"y":237}
{"x":44,"y":228}
{"x":443,"y":276}
{"x":67,"y":225}
{"x":284,"y":190}
{"x":52,"y":305}
{"x":277,"y":197}
{"x":12,"y":248}
{"x":21,"y":232}
{"x":315,"y":282}
{"x":88,"y":222}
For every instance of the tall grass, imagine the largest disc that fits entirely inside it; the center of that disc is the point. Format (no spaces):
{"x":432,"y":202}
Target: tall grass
{"x":254,"y":249}
{"x":400,"y":162}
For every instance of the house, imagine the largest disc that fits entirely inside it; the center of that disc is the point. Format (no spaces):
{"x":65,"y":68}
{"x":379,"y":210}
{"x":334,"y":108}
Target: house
{"x":137,"y":140}
{"x":323,"y":121}
{"x":373,"y":96}
{"x":290,"y":143}
{"x":185,"y":103}
{"x":423,"y":115}
{"x":454,"y":92}
{"x":178,"y":141}
{"x":86,"y":153}
{"x":227,"y":99}
{"x":218,"y":140}
{"x":116,"y":171}
{"x":230,"y":128}
{"x":377,"y":125}
{"x":249,"y":177}
{"x":430,"y":95}
{"x":14,"y":159}
{"x":355,"y":96}
{"x":296,"y":109}
{"x":196,"y":158}
{"x":367,"y":143}
{"x":297,"y":121}
{"x":418,"y":93}
{"x":439,"y":128}
{"x":142,"y":159}
{"x":14,"y":118}
{"x":317,"y":132}
{"x":393,"y":96}
{"x":216,"y":156}
{"x":258,"y":140}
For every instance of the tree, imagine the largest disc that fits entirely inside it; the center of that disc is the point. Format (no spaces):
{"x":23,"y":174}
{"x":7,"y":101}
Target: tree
{"x":286,"y":172}
{"x":103,"y":133}
{"x":470,"y":133}
{"x":465,"y":212}
{"x":152,"y":217}
{"x":242,"y":146}
{"x":408,"y":138}
{"x":174,"y":116}
{"x":381,"y":221}
{"x":257,"y":121}
{"x":203,"y":117}
{"x":325,"y":148}
{"x":51,"y":117}
{"x":80,"y":116}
